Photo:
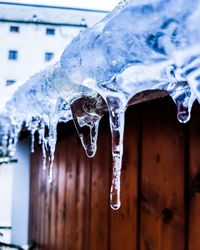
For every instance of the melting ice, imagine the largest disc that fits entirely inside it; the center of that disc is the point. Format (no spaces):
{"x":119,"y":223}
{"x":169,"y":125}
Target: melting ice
{"x":139,"y":46}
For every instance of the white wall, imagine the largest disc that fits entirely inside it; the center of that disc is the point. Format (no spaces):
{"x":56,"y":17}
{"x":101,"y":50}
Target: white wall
{"x":31,"y":43}
{"x":20,"y":194}
{"x":14,"y":196}
{"x":5,"y":194}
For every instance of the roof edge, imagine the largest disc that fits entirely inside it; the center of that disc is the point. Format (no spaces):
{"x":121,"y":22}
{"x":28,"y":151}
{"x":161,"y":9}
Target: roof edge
{"x":43,"y":23}
{"x":54,"y":7}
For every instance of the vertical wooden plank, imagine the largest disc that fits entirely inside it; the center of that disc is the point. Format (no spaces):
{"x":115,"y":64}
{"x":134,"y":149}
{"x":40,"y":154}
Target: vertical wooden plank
{"x":70,"y":227}
{"x":41,"y":198}
{"x":124,"y":220}
{"x":34,"y":191}
{"x":162,"y":207}
{"x":31,"y":202}
{"x":47,"y":215}
{"x":38,"y":192}
{"x":83,"y":198}
{"x":53,"y":218}
{"x":100,"y":184}
{"x":61,"y":192}
{"x":194,"y":222}
{"x":33,"y":197}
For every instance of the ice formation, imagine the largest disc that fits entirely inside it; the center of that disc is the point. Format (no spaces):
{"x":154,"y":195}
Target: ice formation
{"x":141,"y":45}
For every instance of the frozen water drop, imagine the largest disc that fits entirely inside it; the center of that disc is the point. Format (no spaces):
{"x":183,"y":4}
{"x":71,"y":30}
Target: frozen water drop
{"x":183,"y":113}
{"x":87,"y":113}
{"x":182,"y":95}
{"x":115,"y":203}
{"x":184,"y":98}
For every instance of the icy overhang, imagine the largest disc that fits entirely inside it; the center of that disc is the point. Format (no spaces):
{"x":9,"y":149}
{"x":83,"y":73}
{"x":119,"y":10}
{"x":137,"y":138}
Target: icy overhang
{"x":136,"y":53}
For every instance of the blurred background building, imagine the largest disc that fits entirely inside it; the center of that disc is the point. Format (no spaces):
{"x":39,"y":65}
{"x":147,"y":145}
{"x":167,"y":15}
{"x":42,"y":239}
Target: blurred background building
{"x":34,"y":36}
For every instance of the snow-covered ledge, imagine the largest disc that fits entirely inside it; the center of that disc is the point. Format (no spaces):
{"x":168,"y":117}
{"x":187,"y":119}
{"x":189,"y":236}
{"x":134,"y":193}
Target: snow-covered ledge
{"x":150,"y":45}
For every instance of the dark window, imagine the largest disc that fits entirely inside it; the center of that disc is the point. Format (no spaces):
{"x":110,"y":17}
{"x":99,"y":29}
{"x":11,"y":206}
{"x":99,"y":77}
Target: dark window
{"x":34,"y":18}
{"x":49,"y":56}
{"x":50,"y":32}
{"x":83,"y":22}
{"x":13,"y":55}
{"x":14,"y":29}
{"x":10,"y":82}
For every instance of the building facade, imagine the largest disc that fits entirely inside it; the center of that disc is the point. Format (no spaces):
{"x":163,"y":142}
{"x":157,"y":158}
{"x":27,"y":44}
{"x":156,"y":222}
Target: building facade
{"x":34,"y":36}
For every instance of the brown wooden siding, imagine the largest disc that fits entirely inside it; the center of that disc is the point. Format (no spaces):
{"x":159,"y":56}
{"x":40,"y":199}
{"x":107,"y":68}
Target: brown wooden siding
{"x":160,"y":187}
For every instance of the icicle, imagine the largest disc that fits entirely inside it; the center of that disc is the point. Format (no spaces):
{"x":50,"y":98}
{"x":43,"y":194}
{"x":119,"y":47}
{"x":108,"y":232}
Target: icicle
{"x":116,"y":117}
{"x":42,"y":141}
{"x":33,"y":126}
{"x":50,"y":171}
{"x":181,"y":93}
{"x":41,"y":131}
{"x":87,"y":113}
{"x":5,"y":127}
{"x":12,"y":142}
{"x":4,"y":144}
{"x":51,"y":161}
{"x":32,"y":140}
{"x":44,"y":158}
{"x":184,"y":98}
{"x":183,"y":114}
{"x":87,"y":128}
{"x":13,"y":134}
{"x":116,"y":104}
{"x":51,"y":144}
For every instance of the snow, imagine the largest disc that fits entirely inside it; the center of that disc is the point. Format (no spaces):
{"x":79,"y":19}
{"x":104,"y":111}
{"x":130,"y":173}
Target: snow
{"x":137,"y":47}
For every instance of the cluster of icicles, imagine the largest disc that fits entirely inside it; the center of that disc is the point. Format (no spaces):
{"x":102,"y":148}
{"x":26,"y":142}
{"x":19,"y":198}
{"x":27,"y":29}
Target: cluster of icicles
{"x":148,"y":46}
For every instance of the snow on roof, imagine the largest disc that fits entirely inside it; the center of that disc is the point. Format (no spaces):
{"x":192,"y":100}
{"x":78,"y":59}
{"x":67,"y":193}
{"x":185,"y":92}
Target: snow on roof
{"x":48,"y":14}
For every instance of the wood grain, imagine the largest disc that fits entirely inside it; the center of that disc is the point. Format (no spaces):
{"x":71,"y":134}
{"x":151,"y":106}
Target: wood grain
{"x":160,"y":187}
{"x":100,"y":180}
{"x":194,"y":181}
{"x":162,"y":183}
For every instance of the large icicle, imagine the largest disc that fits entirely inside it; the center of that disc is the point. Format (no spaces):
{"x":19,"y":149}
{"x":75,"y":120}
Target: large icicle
{"x":116,"y":105}
{"x":116,"y":117}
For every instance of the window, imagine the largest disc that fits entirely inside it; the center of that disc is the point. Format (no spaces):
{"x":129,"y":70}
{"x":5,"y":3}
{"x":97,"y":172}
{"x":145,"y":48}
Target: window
{"x":50,"y":32}
{"x":49,"y":56}
{"x":12,"y":54}
{"x":34,"y":18}
{"x":83,"y":22}
{"x":14,"y":29}
{"x":10,"y":82}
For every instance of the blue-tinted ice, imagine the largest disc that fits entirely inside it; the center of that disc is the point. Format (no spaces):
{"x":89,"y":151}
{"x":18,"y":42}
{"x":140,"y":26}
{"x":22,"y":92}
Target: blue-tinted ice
{"x":141,"y":45}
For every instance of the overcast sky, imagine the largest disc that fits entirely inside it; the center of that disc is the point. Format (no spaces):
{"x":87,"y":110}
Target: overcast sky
{"x":91,"y":4}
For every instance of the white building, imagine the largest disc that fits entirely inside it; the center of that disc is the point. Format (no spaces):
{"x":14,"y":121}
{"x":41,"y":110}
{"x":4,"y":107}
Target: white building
{"x":34,"y":36}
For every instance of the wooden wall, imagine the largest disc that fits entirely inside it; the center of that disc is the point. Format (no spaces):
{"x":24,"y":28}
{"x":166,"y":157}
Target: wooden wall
{"x":160,"y":187}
